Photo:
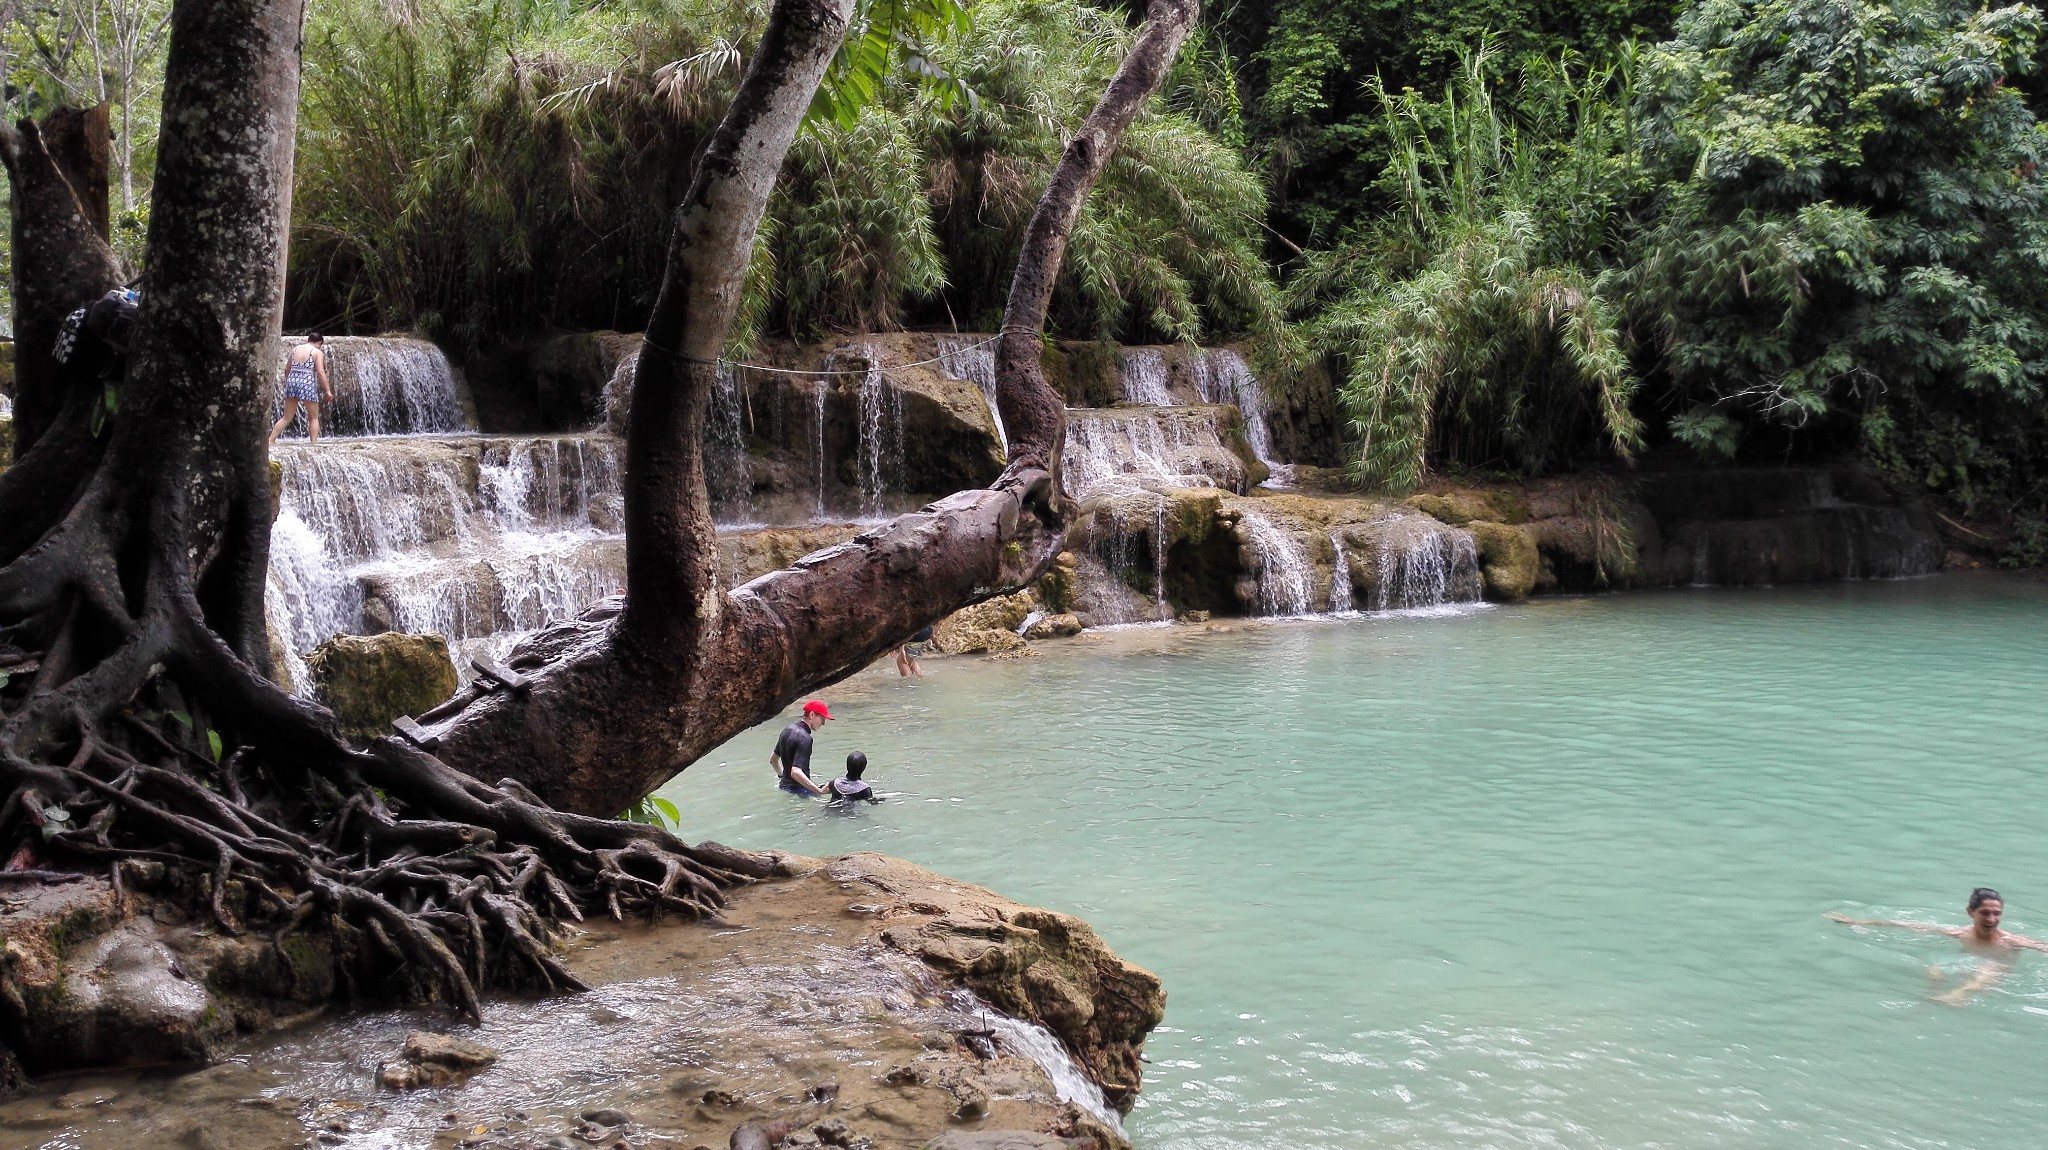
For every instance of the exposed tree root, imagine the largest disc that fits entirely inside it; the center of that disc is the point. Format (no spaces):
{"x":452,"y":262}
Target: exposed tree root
{"x":439,"y":886}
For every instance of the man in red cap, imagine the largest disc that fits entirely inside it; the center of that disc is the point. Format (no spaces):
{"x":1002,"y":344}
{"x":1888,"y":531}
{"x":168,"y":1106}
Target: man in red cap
{"x":792,"y":755}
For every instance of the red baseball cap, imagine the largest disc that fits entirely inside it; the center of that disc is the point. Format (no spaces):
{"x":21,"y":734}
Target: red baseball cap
{"x":814,"y":707}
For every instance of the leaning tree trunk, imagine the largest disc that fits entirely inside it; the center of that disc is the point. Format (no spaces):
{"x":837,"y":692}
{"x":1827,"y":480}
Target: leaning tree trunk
{"x":627,"y":696}
{"x":135,"y":719}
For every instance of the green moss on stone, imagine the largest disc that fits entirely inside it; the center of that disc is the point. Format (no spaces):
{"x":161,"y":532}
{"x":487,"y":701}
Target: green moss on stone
{"x":369,"y":680}
{"x":1508,"y":559}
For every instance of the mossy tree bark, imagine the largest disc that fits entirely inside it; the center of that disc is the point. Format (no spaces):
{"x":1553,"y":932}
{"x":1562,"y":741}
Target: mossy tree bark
{"x":136,"y":721}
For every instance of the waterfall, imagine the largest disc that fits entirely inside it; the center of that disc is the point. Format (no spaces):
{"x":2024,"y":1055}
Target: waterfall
{"x":308,"y":597}
{"x":881,"y":432}
{"x":618,"y":393}
{"x":1286,"y":581}
{"x":974,"y":360}
{"x":727,"y":472}
{"x":1141,"y":375}
{"x":469,"y":538}
{"x":1175,"y":448}
{"x":1222,"y":376}
{"x":818,"y":393}
{"x":1042,"y":1046}
{"x":1340,"y":577}
{"x":386,"y":385}
{"x":1431,"y":567}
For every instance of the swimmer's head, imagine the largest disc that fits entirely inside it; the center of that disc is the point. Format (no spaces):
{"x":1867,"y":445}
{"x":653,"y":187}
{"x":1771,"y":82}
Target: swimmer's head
{"x":1986,"y":907}
{"x":855,"y":764}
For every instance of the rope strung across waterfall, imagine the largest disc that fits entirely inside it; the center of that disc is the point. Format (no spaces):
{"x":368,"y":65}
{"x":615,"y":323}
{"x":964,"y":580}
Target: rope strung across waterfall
{"x":721,"y":361}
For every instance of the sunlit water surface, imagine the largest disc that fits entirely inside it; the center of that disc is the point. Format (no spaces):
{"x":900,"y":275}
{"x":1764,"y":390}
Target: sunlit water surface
{"x":1536,"y":876}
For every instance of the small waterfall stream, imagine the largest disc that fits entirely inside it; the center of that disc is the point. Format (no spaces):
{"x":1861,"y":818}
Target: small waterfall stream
{"x":1141,"y":376}
{"x":1286,"y":578}
{"x":470,"y":538}
{"x":973,"y":358}
{"x":1340,"y":576}
{"x":1222,"y":376}
{"x":385,"y":385}
{"x":880,"y":432}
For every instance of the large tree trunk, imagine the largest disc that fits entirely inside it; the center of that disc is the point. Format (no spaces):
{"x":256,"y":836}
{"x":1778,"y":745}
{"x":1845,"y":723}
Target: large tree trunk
{"x":632,"y":693}
{"x":131,"y":635}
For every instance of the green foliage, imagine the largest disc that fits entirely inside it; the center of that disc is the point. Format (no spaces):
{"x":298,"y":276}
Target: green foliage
{"x":1471,"y":318}
{"x":1849,"y":216}
{"x":495,"y":166}
{"x":654,"y":811}
{"x":1849,"y":236}
{"x":1315,"y":121}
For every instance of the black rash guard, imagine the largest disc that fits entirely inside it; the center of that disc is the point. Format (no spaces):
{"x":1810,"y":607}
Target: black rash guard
{"x":793,"y":749}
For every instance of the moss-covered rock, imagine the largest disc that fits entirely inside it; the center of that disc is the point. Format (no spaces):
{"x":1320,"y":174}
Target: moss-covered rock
{"x":1459,"y":506}
{"x":1508,"y":559}
{"x":369,"y":680}
{"x":988,"y":627}
{"x":6,"y":441}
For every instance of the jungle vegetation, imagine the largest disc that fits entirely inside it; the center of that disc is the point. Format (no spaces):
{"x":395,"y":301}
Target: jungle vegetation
{"x":1523,"y":236}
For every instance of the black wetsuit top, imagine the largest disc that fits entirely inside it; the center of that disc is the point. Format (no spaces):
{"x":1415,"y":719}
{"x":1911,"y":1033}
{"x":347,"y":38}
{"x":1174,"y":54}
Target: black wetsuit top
{"x":793,"y":749}
{"x":853,"y":791}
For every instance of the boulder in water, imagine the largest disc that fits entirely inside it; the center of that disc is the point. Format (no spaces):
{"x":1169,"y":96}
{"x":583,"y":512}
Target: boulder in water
{"x":1053,"y":626}
{"x":369,"y":680}
{"x":988,"y":627}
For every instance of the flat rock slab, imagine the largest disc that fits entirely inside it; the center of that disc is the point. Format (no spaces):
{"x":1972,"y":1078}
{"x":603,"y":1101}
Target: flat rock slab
{"x":823,"y":1001}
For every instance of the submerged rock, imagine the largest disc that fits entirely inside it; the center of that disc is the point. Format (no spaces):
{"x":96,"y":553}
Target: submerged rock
{"x":369,"y":680}
{"x":434,"y":1060}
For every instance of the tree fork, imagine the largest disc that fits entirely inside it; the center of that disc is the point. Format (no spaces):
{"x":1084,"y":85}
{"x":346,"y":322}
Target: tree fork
{"x":634,"y":691}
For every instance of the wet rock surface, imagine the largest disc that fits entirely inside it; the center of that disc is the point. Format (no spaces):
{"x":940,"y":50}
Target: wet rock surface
{"x":829,"y":1009}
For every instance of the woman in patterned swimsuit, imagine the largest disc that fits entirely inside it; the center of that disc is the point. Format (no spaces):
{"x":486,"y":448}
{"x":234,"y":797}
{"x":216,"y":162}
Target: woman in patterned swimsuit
{"x":305,"y":384}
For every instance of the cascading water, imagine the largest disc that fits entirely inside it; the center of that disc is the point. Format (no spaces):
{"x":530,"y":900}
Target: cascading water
{"x":1222,"y":376}
{"x":727,"y":472}
{"x":386,"y":385}
{"x":881,"y":432}
{"x":818,"y":394}
{"x":1430,"y":567}
{"x":1179,"y":448}
{"x":475,"y":539}
{"x":1286,"y":580}
{"x":1141,"y":376}
{"x":1340,"y":576}
{"x":974,"y":360}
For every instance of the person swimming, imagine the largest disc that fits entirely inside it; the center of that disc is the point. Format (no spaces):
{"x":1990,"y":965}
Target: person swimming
{"x":1986,"y":909}
{"x":851,"y":789}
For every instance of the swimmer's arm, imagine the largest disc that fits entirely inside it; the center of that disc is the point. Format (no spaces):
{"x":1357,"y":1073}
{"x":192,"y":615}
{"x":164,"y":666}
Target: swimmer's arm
{"x":2025,"y":943}
{"x":775,"y":764}
{"x":804,"y":777}
{"x":320,"y":368}
{"x":1925,"y":928}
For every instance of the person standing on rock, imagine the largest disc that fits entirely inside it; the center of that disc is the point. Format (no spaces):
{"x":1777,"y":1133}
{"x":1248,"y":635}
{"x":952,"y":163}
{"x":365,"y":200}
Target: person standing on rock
{"x":305,"y":384}
{"x":792,"y":755}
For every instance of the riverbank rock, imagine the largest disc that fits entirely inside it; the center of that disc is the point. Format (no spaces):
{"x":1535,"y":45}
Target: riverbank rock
{"x":88,"y":980}
{"x":6,"y":441}
{"x":1508,"y":559}
{"x":841,"y":1014}
{"x":369,"y":680}
{"x":988,"y":627}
